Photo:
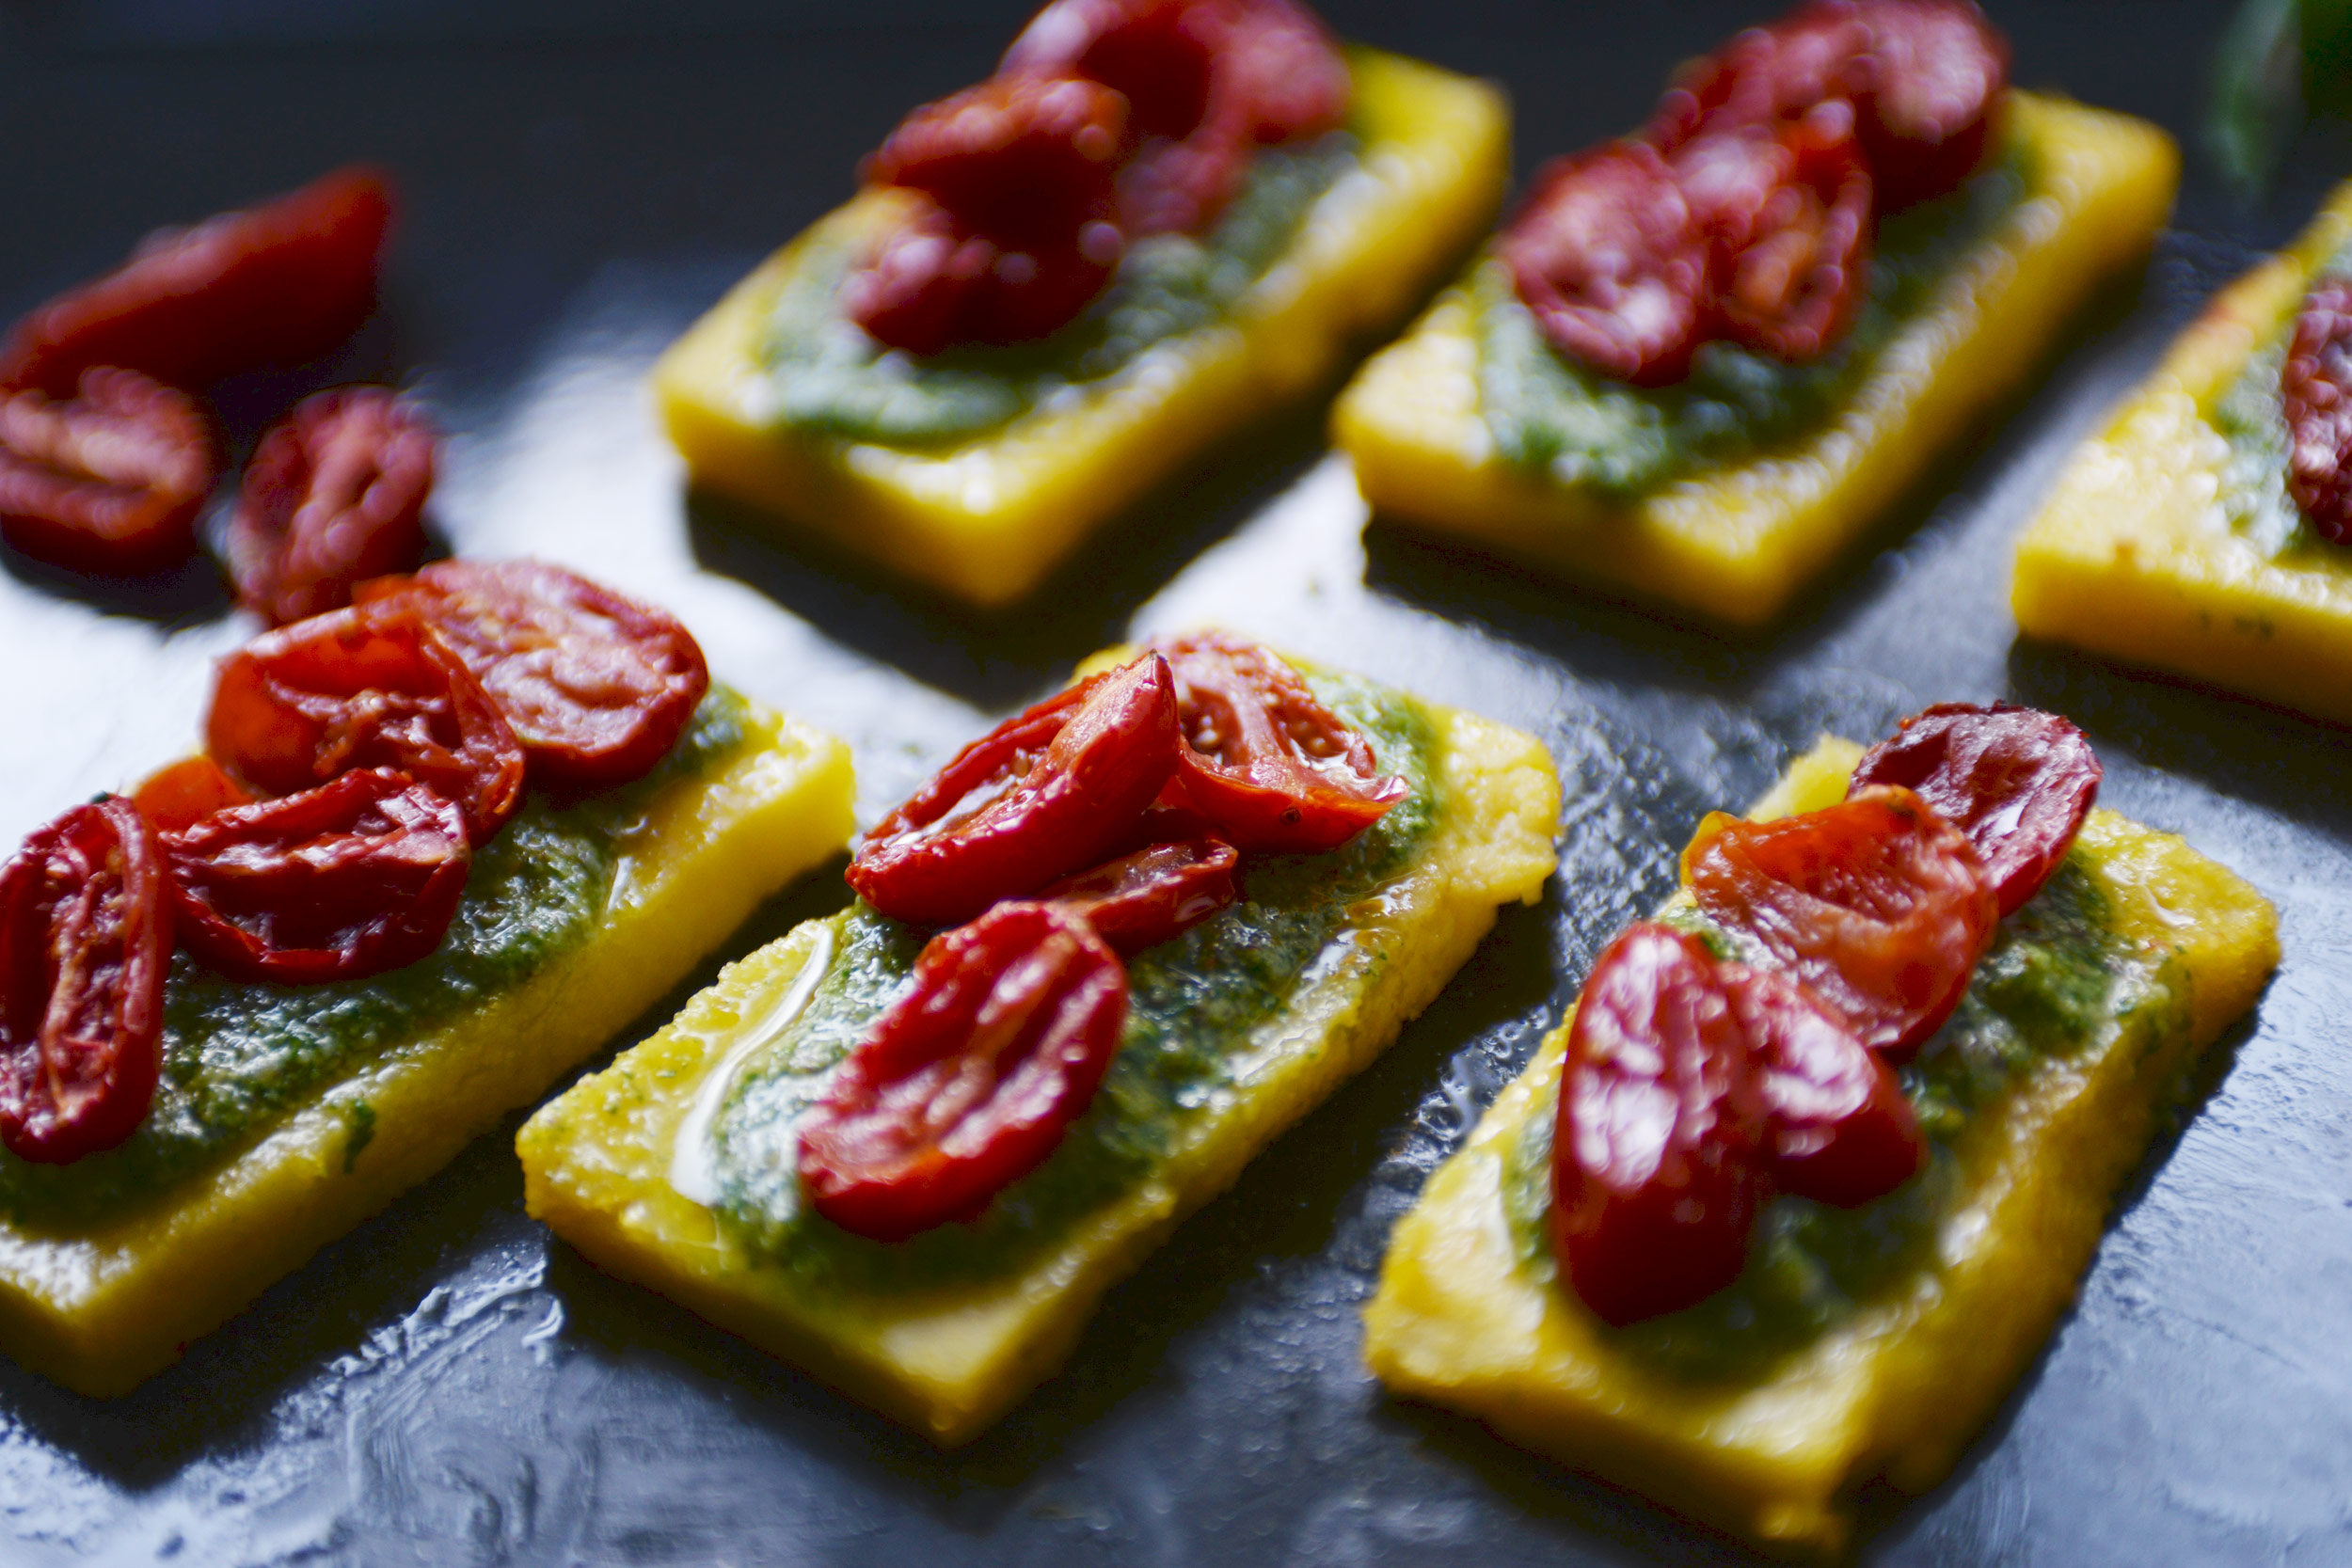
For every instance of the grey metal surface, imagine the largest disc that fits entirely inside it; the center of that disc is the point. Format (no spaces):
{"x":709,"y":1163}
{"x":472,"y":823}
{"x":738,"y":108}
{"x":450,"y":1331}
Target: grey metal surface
{"x":450,"y":1386}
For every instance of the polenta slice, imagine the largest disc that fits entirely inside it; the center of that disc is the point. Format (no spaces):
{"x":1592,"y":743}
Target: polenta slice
{"x":1733,"y":540}
{"x":983,"y":518}
{"x":674,"y":1166}
{"x":1866,"y":1343}
{"x":289,"y":1114}
{"x":2170,"y":542}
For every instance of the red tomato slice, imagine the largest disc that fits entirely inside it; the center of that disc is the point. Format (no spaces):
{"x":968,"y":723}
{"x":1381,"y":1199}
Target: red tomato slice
{"x":967,"y":1083}
{"x":278,"y":284}
{"x":185,"y":793}
{"x":85,"y":948}
{"x":1879,"y":906}
{"x":1152,"y":895}
{"x":2315,"y":395}
{"x":354,"y":878}
{"x":597,"y":686}
{"x":109,"y":481}
{"x":1274,"y":770}
{"x":1657,"y":1164}
{"x":1048,"y":791}
{"x":1608,"y":256}
{"x":372,"y":687}
{"x":2017,"y":781}
{"x":334,"y":494}
{"x":1839,"y":1129}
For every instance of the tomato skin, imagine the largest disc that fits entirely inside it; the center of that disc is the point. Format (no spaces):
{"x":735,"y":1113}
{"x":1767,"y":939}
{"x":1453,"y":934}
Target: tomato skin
{"x":371,"y":686}
{"x":1877,"y":905}
{"x":2315,"y":394}
{"x":86,"y":927}
{"x":334,"y":494}
{"x":185,"y":793}
{"x":357,"y":876}
{"x":968,"y":1083}
{"x":1272,"y":768}
{"x":1657,"y":1168}
{"x":597,"y":686}
{"x":1152,"y":895}
{"x":1837,"y":1127}
{"x":276,"y":284}
{"x":2017,"y":781}
{"x":107,"y":480}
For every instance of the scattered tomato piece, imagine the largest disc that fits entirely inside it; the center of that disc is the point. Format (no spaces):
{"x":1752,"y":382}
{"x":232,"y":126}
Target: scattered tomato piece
{"x":1047,"y":792}
{"x":1262,"y":759}
{"x":2017,"y":781}
{"x":968,"y":1083}
{"x":371,"y":686}
{"x":85,"y":947}
{"x":357,"y":876}
{"x":278,"y":284}
{"x":335,"y":493}
{"x":179,"y":796}
{"x":2315,"y":394}
{"x":1877,"y":905}
{"x":109,"y":481}
{"x":1838,"y":1128}
{"x":1152,"y":895}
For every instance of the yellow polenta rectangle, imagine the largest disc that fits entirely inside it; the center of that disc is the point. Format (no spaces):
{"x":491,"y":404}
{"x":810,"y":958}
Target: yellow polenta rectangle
{"x":1896,"y":1389}
{"x":986,"y":518}
{"x":1735,"y":542}
{"x":2134,"y":554}
{"x":948,"y":1360}
{"x":102,"y":1306}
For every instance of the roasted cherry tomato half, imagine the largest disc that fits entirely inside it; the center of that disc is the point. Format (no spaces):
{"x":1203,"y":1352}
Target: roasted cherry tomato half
{"x":1047,"y":792}
{"x":2315,"y":394}
{"x":109,"y":481}
{"x":1152,"y":895}
{"x":334,"y":495}
{"x":372,"y":687}
{"x":1657,"y":1164}
{"x":277,"y":284}
{"x":1608,"y":257}
{"x":349,"y":879}
{"x":1814,"y":54}
{"x":967,"y":1082}
{"x":85,"y":947}
{"x":179,"y":796}
{"x":1014,"y":156}
{"x":1934,"y":80}
{"x":1274,"y":771}
{"x":1877,"y":905}
{"x":1838,"y":1128}
{"x":2017,"y":781}
{"x":595,"y":685}
{"x":933,"y":282}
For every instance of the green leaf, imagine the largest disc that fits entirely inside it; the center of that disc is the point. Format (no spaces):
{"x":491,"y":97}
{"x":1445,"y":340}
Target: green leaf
{"x":2258,"y":102}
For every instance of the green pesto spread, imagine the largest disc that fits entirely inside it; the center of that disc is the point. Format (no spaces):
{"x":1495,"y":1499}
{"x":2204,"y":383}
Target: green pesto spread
{"x":2055,"y":982}
{"x":1193,"y":1006}
{"x":239,"y":1056}
{"x":829,"y":375}
{"x":1548,"y":414}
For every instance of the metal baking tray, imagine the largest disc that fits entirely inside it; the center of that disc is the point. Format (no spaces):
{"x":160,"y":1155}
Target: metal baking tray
{"x":449,"y":1385}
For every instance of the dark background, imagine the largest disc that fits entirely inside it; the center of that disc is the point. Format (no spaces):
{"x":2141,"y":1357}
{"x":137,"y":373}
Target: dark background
{"x":448,"y":1385}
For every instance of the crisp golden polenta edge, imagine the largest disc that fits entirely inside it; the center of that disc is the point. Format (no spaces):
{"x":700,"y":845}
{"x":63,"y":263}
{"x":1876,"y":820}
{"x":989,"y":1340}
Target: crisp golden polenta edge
{"x":1898,"y":1390}
{"x":596,"y":1160}
{"x":986,"y":519}
{"x":102,"y":1308}
{"x":1736,"y":544}
{"x":2132,"y":555}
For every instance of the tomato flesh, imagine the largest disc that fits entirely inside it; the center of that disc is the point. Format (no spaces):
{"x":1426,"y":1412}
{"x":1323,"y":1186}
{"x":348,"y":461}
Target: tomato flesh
{"x":278,"y":284}
{"x":185,"y":793}
{"x":1837,"y":1127}
{"x":1152,"y":895}
{"x":357,"y":876}
{"x":1272,"y":768}
{"x":109,"y":481}
{"x":968,"y":1083}
{"x":597,"y":686}
{"x":2017,"y":781}
{"x":1877,"y":905}
{"x":371,"y":686}
{"x":1048,"y":792}
{"x":86,"y":926}
{"x":2315,"y":395}
{"x":335,"y":493}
